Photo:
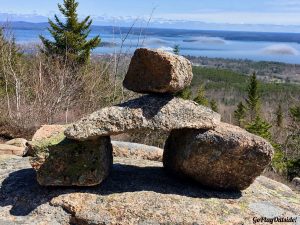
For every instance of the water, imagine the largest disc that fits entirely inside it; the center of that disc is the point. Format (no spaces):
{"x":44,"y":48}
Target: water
{"x":279,"y":47}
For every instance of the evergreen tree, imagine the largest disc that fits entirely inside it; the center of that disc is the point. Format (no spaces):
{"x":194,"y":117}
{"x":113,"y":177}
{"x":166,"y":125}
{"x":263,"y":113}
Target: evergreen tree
{"x":176,"y":49}
{"x":279,"y":116}
{"x":214,"y":105}
{"x":70,"y":37}
{"x":292,"y":145}
{"x":253,"y":98}
{"x":200,"y":98}
{"x":260,"y":128}
{"x":293,"y":139}
{"x":185,"y":94}
{"x":240,"y":114}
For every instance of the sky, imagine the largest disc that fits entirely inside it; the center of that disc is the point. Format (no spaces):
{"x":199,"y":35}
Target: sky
{"x":240,"y":12}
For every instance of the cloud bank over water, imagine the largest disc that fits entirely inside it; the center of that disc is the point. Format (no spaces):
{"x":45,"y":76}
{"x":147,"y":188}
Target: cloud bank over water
{"x":280,"y":49}
{"x":207,"y":40}
{"x":155,"y":41}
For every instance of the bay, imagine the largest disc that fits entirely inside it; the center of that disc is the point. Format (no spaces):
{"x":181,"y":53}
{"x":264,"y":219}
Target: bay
{"x":257,"y":46}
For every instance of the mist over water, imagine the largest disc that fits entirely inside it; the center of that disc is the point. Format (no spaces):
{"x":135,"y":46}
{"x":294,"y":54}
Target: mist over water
{"x":280,"y":47}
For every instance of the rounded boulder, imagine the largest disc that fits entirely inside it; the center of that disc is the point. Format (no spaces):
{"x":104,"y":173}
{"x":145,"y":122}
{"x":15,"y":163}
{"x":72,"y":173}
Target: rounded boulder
{"x":227,"y":157}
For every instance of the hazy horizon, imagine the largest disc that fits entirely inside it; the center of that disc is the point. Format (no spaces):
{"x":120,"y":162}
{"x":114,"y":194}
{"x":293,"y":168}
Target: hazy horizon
{"x":280,"y":47}
{"x":257,"y":15}
{"x":204,"y":26}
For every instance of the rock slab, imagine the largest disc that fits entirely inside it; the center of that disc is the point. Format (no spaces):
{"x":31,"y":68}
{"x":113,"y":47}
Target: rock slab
{"x":48,"y":131}
{"x":136,"y":151}
{"x":156,"y":71}
{"x":137,"y":192}
{"x":227,"y":157}
{"x":63,"y":162}
{"x":18,"y":142}
{"x":152,"y":112}
{"x":11,"y":150}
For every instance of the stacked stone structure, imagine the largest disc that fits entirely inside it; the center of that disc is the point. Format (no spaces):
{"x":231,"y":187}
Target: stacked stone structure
{"x":200,"y":147}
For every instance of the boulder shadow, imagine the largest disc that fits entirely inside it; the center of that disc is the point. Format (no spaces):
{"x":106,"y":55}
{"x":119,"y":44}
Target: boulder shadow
{"x":21,"y":191}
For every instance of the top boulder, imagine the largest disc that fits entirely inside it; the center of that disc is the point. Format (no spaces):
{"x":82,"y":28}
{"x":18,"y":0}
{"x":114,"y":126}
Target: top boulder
{"x":156,"y":71}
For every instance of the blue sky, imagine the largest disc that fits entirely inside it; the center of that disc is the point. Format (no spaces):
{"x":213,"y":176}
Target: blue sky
{"x":270,"y":12}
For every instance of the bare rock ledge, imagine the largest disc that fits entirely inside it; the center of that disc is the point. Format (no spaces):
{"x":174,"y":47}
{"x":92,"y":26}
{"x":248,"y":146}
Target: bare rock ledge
{"x":138,"y":192}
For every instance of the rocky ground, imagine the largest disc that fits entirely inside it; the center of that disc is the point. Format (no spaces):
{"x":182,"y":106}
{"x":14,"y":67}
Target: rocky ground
{"x":137,"y":192}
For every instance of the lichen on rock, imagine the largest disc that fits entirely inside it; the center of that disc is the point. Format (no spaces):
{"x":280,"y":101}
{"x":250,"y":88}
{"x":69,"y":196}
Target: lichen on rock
{"x":63,"y":162}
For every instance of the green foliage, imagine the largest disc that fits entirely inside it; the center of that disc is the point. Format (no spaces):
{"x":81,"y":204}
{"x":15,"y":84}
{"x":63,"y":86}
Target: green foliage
{"x":185,"y":94}
{"x":295,"y":113}
{"x":240,"y":114}
{"x":279,"y":162}
{"x":293,"y":168}
{"x":287,"y":162}
{"x":218,"y":78}
{"x":253,"y":98}
{"x":70,"y":37}
{"x":200,"y":98}
{"x":279,"y":116}
{"x":214,"y":105}
{"x":260,"y":127}
{"x":291,"y":156}
{"x":293,"y":139}
{"x":286,"y":166}
{"x":227,"y":80}
{"x":293,"y":144}
{"x":176,"y":49}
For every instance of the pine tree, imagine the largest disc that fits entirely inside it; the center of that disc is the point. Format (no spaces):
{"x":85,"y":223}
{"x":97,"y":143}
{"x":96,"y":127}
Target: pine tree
{"x":253,"y":98}
{"x":279,"y":116}
{"x":185,"y":94}
{"x":176,"y":49}
{"x":240,"y":114}
{"x":200,"y":98}
{"x":292,"y":145}
{"x":214,"y":105}
{"x":293,"y":139}
{"x":70,"y":37}
{"x":260,"y":128}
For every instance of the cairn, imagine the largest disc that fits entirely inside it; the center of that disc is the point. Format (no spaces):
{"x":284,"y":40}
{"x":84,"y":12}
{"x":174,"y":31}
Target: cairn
{"x":200,"y":147}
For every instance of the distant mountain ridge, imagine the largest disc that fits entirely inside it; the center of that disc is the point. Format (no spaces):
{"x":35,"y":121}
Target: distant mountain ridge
{"x":125,"y":21}
{"x":24,"y":25}
{"x":168,"y":32}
